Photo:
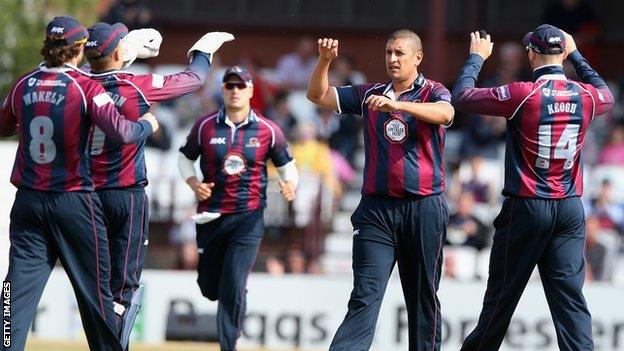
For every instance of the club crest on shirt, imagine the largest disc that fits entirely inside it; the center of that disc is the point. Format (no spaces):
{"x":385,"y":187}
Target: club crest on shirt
{"x":253,"y":142}
{"x":234,"y":163}
{"x":395,"y":130}
{"x":546,"y":92}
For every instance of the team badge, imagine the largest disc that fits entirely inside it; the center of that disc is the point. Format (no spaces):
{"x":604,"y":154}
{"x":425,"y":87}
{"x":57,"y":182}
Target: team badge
{"x":253,"y":142}
{"x":395,"y":130}
{"x":234,"y":164}
{"x":546,"y":92}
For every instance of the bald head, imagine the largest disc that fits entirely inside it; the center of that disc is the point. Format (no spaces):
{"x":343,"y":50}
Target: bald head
{"x":410,"y":36}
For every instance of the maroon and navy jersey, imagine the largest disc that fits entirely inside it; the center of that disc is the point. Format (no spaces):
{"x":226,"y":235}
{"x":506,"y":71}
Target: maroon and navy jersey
{"x":234,"y":158}
{"x":53,"y":110}
{"x":547,"y":122}
{"x":403,"y":155}
{"x":123,"y":165}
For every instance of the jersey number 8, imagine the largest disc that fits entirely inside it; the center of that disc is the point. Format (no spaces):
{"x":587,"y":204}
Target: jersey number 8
{"x":42,"y":148}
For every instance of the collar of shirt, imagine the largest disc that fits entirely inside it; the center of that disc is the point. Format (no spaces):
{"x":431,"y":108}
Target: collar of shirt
{"x":416,"y":85}
{"x":223,"y":118}
{"x":65,"y":68}
{"x":553,"y":71}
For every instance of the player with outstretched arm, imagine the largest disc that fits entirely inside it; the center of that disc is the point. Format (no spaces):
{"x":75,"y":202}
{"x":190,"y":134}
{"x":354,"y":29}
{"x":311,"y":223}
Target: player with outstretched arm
{"x":402,"y":215}
{"x":56,"y":215}
{"x":119,"y":171}
{"x":542,"y":219}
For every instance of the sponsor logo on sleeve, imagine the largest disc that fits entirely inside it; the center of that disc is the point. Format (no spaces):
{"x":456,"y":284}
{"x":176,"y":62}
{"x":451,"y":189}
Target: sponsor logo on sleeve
{"x":102,"y":99}
{"x":503,"y":93}
{"x":158,"y":81}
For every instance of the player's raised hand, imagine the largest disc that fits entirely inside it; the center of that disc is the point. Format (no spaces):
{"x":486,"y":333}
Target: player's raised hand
{"x":570,"y":44}
{"x":151,"y":119}
{"x":481,"y":46}
{"x":202,"y":191}
{"x":381,"y":103}
{"x":287,"y":188}
{"x":328,"y":48}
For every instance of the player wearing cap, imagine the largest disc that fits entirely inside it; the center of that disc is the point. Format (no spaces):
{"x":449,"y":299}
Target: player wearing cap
{"x":234,"y":145}
{"x":542,"y":220}
{"x":119,"y":170}
{"x":56,"y":215}
{"x":402,"y":216}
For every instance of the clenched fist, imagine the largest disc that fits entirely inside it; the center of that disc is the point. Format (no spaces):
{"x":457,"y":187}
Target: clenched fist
{"x":328,"y":48}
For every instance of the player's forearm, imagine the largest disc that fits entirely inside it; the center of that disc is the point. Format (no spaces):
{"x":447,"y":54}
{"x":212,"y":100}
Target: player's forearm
{"x":186,"y":168}
{"x":289,"y":173}
{"x":468,"y":76}
{"x":430,"y":112}
{"x":119,"y":129}
{"x":583,"y":69}
{"x":318,"y":87}
{"x":189,"y":80}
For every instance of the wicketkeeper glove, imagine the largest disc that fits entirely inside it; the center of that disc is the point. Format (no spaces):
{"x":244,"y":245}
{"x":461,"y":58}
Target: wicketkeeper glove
{"x":141,"y":43}
{"x":210,"y":43}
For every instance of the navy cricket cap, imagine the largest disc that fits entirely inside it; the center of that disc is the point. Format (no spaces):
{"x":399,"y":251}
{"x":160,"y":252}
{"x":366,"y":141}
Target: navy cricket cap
{"x":105,"y":37}
{"x":240,"y":72}
{"x":545,"y":39}
{"x":66,"y":28}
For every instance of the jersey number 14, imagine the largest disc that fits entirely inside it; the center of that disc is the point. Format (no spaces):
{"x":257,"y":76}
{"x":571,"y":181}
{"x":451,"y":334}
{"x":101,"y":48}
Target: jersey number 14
{"x":565,"y":148}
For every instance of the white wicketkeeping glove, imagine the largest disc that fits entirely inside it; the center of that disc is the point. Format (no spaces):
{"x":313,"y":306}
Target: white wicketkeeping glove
{"x":140,"y":43}
{"x":147,"y":40}
{"x":210,"y":43}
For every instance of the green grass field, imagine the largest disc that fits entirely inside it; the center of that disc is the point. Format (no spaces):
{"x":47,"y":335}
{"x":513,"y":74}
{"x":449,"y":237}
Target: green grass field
{"x":47,"y":345}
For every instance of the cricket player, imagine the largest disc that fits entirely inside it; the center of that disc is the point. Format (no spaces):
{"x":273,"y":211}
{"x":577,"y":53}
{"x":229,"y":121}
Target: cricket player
{"x":542,"y":220}
{"x":402,"y":215}
{"x":234,"y":145}
{"x":56,"y":214}
{"x":119,"y":171}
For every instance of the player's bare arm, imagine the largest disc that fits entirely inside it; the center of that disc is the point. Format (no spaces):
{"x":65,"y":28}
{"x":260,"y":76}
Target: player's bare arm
{"x":430,"y":112}
{"x":202,"y":191}
{"x":319,"y":90}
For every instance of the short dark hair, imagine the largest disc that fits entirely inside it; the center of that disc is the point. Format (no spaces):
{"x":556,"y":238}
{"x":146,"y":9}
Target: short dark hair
{"x":97,"y":62}
{"x":56,"y":52}
{"x":408,"y":34}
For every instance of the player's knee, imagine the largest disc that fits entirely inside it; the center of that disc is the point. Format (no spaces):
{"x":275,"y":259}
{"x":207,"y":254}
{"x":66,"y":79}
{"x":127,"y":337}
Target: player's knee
{"x":209,"y":291}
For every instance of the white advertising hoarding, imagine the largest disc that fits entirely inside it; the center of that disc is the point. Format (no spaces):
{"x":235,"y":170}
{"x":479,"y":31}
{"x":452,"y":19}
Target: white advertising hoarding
{"x":304,"y":311}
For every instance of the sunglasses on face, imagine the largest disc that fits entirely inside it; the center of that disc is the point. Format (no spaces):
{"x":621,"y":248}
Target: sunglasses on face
{"x":230,"y":86}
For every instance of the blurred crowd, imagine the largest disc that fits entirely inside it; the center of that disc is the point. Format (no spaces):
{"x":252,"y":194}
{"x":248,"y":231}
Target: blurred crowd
{"x":328,"y":150}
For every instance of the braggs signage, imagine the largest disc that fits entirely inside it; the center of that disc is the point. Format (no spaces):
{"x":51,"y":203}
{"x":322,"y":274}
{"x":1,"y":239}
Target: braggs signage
{"x":299,"y":329}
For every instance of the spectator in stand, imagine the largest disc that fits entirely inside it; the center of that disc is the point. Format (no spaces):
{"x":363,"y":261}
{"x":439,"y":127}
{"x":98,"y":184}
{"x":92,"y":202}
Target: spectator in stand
{"x":477,"y":184}
{"x":577,"y":18}
{"x":612,"y":152}
{"x":511,"y":67}
{"x":595,"y":251}
{"x":182,"y":237}
{"x":133,"y":13}
{"x":264,"y":91}
{"x":294,"y":69}
{"x":296,"y":262}
{"x":464,"y":228}
{"x":281,"y":115}
{"x":275,"y":266}
{"x":314,"y":157}
{"x":483,"y":135}
{"x":343,"y":73}
{"x":327,"y":124}
{"x":609,"y":213}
